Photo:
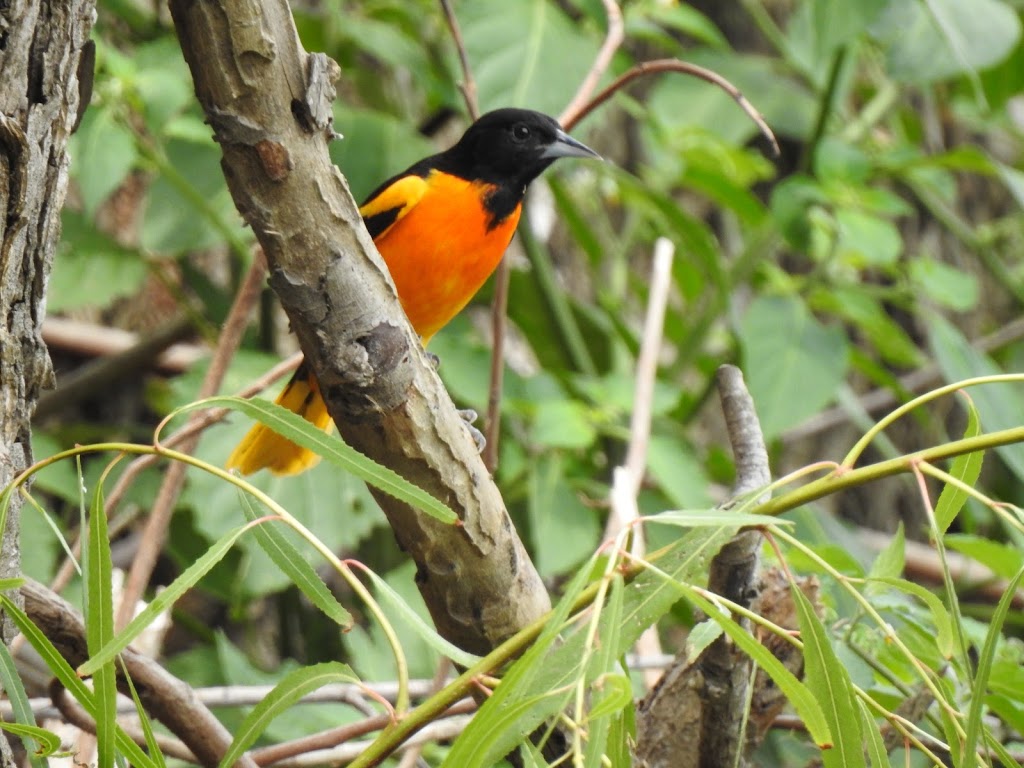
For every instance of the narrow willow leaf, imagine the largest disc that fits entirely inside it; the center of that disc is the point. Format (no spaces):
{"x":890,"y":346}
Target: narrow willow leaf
{"x":99,"y":628}
{"x":6,"y":584}
{"x":828,"y":680}
{"x":163,"y":601}
{"x":294,"y":566}
{"x":700,"y":637}
{"x":293,"y":687}
{"x":696,"y":518}
{"x":967,"y":468}
{"x":147,"y":726}
{"x":332,"y":448}
{"x":876,"y":747}
{"x":617,"y":692}
{"x":67,"y":677}
{"x":944,"y":639}
{"x":980,"y":684}
{"x":42,"y":741}
{"x":606,"y":691}
{"x":418,"y":625}
{"x":22,"y":709}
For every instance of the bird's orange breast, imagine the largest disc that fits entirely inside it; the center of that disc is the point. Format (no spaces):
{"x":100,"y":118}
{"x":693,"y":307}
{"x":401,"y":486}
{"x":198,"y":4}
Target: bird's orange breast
{"x":441,"y":251}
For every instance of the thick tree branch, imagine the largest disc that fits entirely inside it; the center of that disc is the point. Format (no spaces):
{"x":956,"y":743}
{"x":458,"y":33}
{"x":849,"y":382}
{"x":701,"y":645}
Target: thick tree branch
{"x":269,"y":104}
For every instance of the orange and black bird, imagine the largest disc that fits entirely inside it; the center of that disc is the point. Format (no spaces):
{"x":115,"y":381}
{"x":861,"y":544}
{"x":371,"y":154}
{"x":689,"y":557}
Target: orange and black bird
{"x":442,"y":226}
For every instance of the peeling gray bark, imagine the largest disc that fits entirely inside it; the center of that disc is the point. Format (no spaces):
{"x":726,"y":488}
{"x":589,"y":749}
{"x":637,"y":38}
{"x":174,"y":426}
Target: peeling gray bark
{"x":269,"y":103}
{"x":40,"y":47}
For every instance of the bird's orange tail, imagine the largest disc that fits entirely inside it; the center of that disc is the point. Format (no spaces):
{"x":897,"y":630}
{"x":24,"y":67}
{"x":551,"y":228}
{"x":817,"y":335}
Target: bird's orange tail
{"x":262,"y":447}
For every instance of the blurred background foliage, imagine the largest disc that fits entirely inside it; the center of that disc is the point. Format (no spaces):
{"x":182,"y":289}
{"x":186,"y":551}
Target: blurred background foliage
{"x":878,"y":256}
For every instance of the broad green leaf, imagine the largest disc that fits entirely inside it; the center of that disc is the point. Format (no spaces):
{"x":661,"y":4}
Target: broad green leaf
{"x":974,"y":737}
{"x":966,"y":468}
{"x":818,"y":27}
{"x":829,"y":681}
{"x":103,"y":152}
{"x":867,"y":241}
{"x":1004,"y":559}
{"x":930,"y":40}
{"x":793,"y":364}
{"x":10,"y":682}
{"x":525,"y":54}
{"x":944,"y":284}
{"x":889,"y":562}
{"x":999,"y":405}
{"x":71,"y":681}
{"x":99,"y":628}
{"x":413,"y":620}
{"x":333,"y":449}
{"x":91,"y":269}
{"x":563,"y":424}
{"x":300,"y":573}
{"x":285,"y":694}
{"x":163,"y":601}
{"x":563,"y":529}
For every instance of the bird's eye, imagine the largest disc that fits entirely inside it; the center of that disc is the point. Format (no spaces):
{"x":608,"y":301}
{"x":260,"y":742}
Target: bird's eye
{"x":520,"y":132}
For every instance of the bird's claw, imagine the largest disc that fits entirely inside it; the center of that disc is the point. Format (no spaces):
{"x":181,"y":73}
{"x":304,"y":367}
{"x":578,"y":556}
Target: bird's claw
{"x":468,"y":415}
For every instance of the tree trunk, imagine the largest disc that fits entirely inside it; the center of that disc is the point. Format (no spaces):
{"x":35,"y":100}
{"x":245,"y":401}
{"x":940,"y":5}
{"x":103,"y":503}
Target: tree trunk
{"x":41,"y":45}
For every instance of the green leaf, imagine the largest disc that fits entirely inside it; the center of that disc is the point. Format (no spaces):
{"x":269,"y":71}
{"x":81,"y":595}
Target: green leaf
{"x":1000,"y":405}
{"x":413,"y":620}
{"x":525,"y":54}
{"x":699,"y":518}
{"x":563,"y":424}
{"x":792,"y":363}
{"x":1004,"y":559}
{"x":163,"y":601}
{"x":564,"y":531}
{"x":818,"y":27}
{"x":966,"y":468}
{"x":24,"y":718}
{"x":48,"y":742}
{"x":91,"y":269}
{"x":300,"y":573}
{"x":937,"y":39}
{"x":294,"y":686}
{"x":866,"y":240}
{"x":700,"y":637}
{"x":944,"y":638}
{"x":333,"y":449}
{"x":973,"y":728}
{"x":876,"y":747}
{"x":99,"y":628}
{"x":616,"y":693}
{"x":945,"y":285}
{"x":890,"y":561}
{"x":67,"y":677}
{"x":103,"y":152}
{"x":829,"y":681}
{"x":144,"y":720}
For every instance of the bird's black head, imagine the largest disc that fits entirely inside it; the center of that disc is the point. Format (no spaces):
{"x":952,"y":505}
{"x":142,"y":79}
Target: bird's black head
{"x":511,"y":147}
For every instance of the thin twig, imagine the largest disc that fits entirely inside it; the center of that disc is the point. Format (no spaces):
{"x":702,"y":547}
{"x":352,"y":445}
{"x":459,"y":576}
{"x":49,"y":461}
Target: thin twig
{"x":468,"y":84}
{"x":627,"y":478}
{"x":684,"y":67}
{"x":612,"y":41}
{"x":337,"y":736}
{"x":412,"y":755}
{"x":155,"y":532}
{"x":92,"y":340}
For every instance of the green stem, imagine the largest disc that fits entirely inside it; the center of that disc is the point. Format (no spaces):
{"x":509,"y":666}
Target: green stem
{"x":825,"y":110}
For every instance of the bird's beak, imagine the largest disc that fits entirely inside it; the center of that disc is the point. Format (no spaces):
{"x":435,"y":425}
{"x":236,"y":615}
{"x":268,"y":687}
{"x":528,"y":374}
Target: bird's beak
{"x":565,"y":145}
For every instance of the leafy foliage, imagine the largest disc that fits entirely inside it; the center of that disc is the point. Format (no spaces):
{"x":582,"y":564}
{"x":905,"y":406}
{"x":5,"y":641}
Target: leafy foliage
{"x":885,"y":239}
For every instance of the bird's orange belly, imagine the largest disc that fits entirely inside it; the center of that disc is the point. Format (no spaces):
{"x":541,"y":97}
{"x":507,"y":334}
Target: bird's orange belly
{"x":441,"y":252}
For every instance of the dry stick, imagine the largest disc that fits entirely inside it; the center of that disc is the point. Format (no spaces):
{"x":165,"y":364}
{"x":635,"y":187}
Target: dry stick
{"x":74,"y":714}
{"x":341,"y":734}
{"x":684,"y":67}
{"x":628,"y":477}
{"x":92,"y":340}
{"x":196,"y":426}
{"x":164,"y":696}
{"x":468,"y":84}
{"x":159,"y":519}
{"x":612,"y":40}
